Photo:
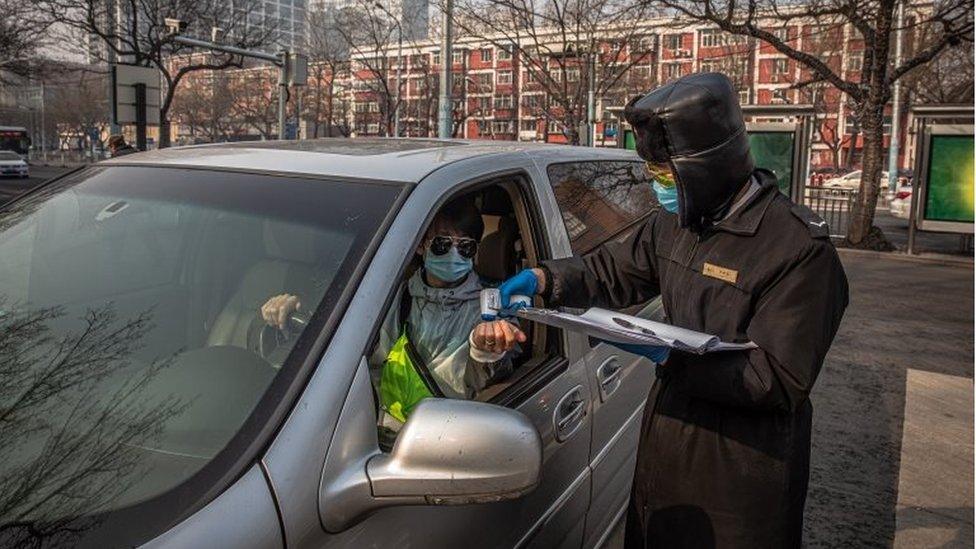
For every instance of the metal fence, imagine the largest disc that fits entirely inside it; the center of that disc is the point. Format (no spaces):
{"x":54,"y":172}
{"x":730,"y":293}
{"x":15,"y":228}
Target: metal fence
{"x":833,"y":205}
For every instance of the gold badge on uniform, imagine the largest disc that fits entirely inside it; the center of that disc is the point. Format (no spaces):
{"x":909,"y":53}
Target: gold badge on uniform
{"x":721,"y":273}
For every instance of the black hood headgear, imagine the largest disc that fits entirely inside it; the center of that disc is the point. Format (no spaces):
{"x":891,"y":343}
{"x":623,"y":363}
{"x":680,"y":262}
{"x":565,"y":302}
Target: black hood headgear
{"x":695,"y":125}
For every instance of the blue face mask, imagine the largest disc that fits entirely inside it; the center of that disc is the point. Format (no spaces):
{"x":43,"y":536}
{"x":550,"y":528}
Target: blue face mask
{"x":449,"y":267}
{"x":667,"y":196}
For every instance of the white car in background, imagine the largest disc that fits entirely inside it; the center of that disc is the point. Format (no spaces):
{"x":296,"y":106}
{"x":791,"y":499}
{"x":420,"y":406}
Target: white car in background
{"x":851,"y":181}
{"x":901,"y":202}
{"x":12,"y":165}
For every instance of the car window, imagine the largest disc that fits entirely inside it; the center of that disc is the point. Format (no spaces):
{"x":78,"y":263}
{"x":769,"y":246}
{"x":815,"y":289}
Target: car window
{"x":600,"y":200}
{"x":6,"y":155}
{"x":133,"y":355}
{"x":422,"y":347}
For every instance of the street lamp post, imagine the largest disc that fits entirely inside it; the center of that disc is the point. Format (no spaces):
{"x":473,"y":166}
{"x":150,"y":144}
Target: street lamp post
{"x":447,"y":62}
{"x":396,"y":107}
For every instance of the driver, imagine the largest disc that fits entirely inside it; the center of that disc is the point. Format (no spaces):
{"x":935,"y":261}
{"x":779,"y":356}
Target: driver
{"x":438,"y":345}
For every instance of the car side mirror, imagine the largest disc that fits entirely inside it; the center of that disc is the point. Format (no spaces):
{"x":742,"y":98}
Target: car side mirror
{"x":458,"y":451}
{"x":449,"y":452}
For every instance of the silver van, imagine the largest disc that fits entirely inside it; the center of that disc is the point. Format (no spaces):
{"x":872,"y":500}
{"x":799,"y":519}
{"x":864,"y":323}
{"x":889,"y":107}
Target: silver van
{"x":143,"y":401}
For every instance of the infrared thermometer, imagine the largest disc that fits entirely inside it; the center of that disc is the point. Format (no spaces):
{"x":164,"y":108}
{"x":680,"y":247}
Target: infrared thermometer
{"x":491,"y":303}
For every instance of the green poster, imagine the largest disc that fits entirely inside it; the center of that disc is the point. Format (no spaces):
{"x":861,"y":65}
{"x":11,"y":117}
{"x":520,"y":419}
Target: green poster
{"x":774,"y":151}
{"x":949,"y":192}
{"x":629,"y":141}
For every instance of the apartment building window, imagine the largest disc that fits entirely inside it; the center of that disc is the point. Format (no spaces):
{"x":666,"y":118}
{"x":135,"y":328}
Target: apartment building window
{"x":643,"y":72}
{"x":643,"y":44}
{"x":855,"y":62}
{"x":457,"y":105}
{"x":501,"y":126}
{"x":361,"y":107}
{"x":483,"y":126}
{"x":504,"y":53}
{"x":504,"y":77}
{"x":572,"y":75}
{"x":457,"y":57}
{"x":374,"y":106}
{"x":437,"y":57}
{"x":672,"y":41}
{"x":672,"y":70}
{"x":743,"y":97}
{"x":503,"y":102}
{"x":528,"y":77}
{"x":711,"y":38}
{"x":528,"y":125}
{"x":485,"y":55}
{"x":373,"y":128}
{"x":782,"y":34}
{"x":483,"y":79}
{"x":780,"y":66}
{"x":532,"y":101}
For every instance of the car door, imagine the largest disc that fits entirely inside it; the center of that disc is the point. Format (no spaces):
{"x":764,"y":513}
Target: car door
{"x":599,"y":202}
{"x":554,"y":395}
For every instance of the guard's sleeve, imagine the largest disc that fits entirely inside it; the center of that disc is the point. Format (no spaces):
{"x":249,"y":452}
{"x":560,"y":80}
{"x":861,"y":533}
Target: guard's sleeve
{"x":794,"y":323}
{"x":616,"y":275}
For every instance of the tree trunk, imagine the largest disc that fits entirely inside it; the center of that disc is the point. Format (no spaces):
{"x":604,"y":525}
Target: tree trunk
{"x":164,"y":126}
{"x":872,"y":161}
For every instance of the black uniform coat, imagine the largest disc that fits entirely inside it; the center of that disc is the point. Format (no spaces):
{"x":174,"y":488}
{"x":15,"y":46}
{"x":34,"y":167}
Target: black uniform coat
{"x":725,"y":442}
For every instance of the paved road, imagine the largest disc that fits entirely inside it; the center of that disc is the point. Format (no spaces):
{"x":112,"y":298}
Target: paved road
{"x":900,"y":372}
{"x":10,"y":187}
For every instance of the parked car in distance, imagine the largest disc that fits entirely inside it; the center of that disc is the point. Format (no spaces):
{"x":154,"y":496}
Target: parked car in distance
{"x":852,"y":181}
{"x":824,"y":173}
{"x":164,"y":412}
{"x":12,"y":165}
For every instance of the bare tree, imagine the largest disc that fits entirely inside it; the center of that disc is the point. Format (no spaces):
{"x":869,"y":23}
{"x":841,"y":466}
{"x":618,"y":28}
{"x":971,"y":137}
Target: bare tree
{"x":77,"y":107}
{"x":135,"y":31}
{"x":947,"y":23}
{"x":205,"y":106}
{"x":566,"y":48}
{"x":326,"y":107}
{"x":23,"y":30}
{"x":368,"y":32}
{"x":255,"y":99}
{"x":946,"y":79}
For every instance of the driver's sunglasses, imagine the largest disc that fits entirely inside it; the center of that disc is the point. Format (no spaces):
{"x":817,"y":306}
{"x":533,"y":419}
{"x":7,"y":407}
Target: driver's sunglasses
{"x":467,"y":247}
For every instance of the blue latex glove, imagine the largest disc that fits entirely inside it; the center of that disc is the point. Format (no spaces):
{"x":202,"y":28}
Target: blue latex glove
{"x":524,"y":283}
{"x":656,"y":354}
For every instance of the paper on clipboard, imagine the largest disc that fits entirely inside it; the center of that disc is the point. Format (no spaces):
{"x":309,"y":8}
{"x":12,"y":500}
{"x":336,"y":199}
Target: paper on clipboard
{"x":618,"y":327}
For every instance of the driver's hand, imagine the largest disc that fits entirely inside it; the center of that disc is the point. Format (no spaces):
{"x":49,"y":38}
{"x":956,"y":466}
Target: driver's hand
{"x":277,"y":309}
{"x":497,"y":336}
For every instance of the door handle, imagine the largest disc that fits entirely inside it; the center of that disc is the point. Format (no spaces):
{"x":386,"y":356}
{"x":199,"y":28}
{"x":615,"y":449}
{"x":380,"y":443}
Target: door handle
{"x":569,"y":413}
{"x":608,"y":375}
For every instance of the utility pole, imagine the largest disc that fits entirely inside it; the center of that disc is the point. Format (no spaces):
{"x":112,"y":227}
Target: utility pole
{"x":282,"y":93}
{"x":591,"y":96}
{"x":447,"y":62}
{"x":896,"y":103}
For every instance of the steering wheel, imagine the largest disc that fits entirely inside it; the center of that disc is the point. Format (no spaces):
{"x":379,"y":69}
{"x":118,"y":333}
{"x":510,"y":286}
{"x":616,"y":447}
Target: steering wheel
{"x":271,"y":338}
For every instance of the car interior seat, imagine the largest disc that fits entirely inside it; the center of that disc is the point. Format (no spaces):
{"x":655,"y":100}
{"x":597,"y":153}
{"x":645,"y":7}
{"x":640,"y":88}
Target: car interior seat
{"x":500,"y":251}
{"x":288,"y":267}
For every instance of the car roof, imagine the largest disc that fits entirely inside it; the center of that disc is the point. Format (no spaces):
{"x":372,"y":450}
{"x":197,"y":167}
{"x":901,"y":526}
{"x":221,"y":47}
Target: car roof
{"x":389,"y":159}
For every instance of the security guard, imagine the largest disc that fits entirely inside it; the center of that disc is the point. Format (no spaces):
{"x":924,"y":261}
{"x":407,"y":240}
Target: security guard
{"x":725,"y":442}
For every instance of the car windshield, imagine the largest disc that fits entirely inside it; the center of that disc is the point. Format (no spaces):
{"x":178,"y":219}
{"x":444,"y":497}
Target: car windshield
{"x":7,"y":155}
{"x":133,"y":356}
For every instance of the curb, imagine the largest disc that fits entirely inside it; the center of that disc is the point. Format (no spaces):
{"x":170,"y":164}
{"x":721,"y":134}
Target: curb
{"x":932,"y":259}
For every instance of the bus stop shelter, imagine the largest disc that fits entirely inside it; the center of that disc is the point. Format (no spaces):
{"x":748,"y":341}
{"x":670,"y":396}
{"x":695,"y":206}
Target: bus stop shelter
{"x":942,"y":186}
